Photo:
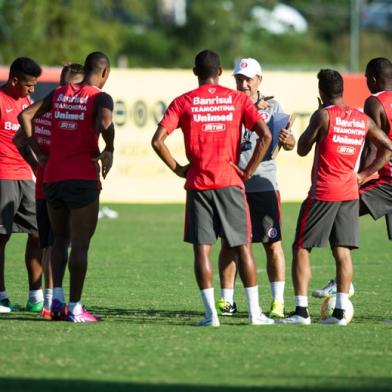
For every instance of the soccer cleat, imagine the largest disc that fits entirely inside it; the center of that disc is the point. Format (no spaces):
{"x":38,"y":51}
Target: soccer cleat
{"x":7,"y":304}
{"x":46,"y":314}
{"x":35,"y":308}
{"x":210,"y":321}
{"x":226,"y":308}
{"x":329,"y":290}
{"x":84,"y":317}
{"x":4,"y":309}
{"x":59,"y":310}
{"x":295,"y":319}
{"x":277,"y":309}
{"x":261,"y":319}
{"x":334,"y":321}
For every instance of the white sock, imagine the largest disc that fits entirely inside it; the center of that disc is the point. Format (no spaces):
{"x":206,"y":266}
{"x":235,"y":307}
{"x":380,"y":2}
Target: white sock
{"x":228,"y":295}
{"x":75,"y":308}
{"x":207,"y":295}
{"x":341,"y":300}
{"x":58,"y":293}
{"x":277,"y":291}
{"x":48,"y":296}
{"x":3,"y":295}
{"x":302,"y":301}
{"x":252,"y":296}
{"x":36,"y":296}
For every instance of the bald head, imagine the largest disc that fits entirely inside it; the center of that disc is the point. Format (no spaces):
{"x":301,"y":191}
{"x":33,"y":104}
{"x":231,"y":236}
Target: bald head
{"x":96,"y":62}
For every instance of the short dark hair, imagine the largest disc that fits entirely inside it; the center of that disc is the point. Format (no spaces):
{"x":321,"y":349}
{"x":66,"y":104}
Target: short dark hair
{"x":330,"y":83}
{"x":24,"y":66}
{"x":379,"y":67}
{"x":69,"y":71}
{"x":96,"y":62}
{"x":207,"y":64}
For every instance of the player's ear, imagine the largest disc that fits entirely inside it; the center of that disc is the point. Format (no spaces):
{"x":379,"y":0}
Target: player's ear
{"x":14,"y":81}
{"x":220,"y":71}
{"x":195,"y":71}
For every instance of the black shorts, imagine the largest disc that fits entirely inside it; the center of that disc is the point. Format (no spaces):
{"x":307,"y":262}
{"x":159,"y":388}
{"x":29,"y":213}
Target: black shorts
{"x":17,"y":207}
{"x":44,"y":228}
{"x":72,"y":194}
{"x":323,"y":221}
{"x":217,"y":213}
{"x":377,"y":197}
{"x":265,"y":214}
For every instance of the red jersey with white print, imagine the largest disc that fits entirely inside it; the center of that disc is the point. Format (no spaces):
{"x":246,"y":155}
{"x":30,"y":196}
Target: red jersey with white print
{"x":74,"y":139}
{"x":211,"y":118}
{"x":336,"y":157}
{"x":42,"y":130}
{"x":12,"y":165}
{"x":385,"y":98}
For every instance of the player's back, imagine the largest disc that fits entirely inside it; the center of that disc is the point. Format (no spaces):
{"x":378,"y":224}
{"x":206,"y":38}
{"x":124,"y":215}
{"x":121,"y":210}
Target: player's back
{"x":337,"y":155}
{"x":74,"y":138}
{"x":211,"y":118}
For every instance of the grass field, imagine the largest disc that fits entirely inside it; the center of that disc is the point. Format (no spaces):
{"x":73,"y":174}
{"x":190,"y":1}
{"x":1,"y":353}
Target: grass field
{"x":141,"y":281}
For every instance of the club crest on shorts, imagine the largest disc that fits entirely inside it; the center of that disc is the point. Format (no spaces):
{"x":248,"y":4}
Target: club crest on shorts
{"x":272,"y":232}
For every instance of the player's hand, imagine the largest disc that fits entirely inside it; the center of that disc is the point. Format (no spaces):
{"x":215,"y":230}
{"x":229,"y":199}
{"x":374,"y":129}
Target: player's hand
{"x":263,"y":104}
{"x":361,"y":178}
{"x":106,"y":158}
{"x":242,"y":173}
{"x":182,"y":171}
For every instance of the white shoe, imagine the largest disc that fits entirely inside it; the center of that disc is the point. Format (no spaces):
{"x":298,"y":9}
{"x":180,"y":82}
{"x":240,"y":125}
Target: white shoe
{"x":5,"y":309}
{"x":294,"y":319}
{"x":210,"y":321}
{"x":329,"y":290}
{"x":261,"y":319}
{"x":334,"y":321}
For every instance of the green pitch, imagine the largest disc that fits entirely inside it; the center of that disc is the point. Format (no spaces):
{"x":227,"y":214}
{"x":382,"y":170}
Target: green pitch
{"x":141,"y":281}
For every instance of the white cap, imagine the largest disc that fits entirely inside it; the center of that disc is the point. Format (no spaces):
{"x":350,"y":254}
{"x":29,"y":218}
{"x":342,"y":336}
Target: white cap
{"x":248,"y":67}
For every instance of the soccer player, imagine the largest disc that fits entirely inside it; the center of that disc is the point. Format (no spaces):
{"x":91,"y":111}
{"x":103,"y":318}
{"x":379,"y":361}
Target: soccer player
{"x":71,"y":73}
{"x":330,"y":211}
{"x":17,"y":204}
{"x":80,"y":113}
{"x":211,"y":117}
{"x":375,"y":195}
{"x":262,"y":195}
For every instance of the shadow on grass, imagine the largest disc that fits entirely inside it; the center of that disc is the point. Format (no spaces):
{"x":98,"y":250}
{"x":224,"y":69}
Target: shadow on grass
{"x":16,"y":385}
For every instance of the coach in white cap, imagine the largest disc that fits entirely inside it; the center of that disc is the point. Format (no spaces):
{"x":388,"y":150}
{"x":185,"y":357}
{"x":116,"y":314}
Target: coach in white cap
{"x":262,"y":195}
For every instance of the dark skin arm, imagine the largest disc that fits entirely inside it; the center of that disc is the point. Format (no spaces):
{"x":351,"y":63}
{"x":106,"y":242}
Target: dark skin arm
{"x":25,"y":151}
{"x":314,"y":133}
{"x":26,"y":118}
{"x":384,"y":151}
{"x":104,"y":125}
{"x":259,"y":152}
{"x":159,"y":146}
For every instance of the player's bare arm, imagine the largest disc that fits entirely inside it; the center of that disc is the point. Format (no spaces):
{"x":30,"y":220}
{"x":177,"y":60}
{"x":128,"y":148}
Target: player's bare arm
{"x":104,"y":123}
{"x":159,"y":146}
{"x":26,"y":118}
{"x":25,"y":150}
{"x":384,"y":151}
{"x":315,"y":132}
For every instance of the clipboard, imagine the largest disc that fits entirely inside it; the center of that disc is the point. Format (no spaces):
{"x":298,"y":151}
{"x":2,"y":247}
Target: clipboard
{"x":287,"y":125}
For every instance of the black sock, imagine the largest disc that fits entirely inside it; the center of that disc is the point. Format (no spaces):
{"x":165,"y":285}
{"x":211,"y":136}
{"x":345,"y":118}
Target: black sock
{"x":338,"y":313}
{"x":302,"y":311}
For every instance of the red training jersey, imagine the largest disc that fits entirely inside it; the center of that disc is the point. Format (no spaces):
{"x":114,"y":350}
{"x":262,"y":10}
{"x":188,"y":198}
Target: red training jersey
{"x":211,"y":118}
{"x":12,"y":165}
{"x":337,"y":156}
{"x":42,"y":130}
{"x":74,"y":139}
{"x":385,"y":98}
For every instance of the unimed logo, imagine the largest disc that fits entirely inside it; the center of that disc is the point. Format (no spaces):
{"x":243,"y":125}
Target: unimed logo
{"x":214,"y":127}
{"x":346,"y":150}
